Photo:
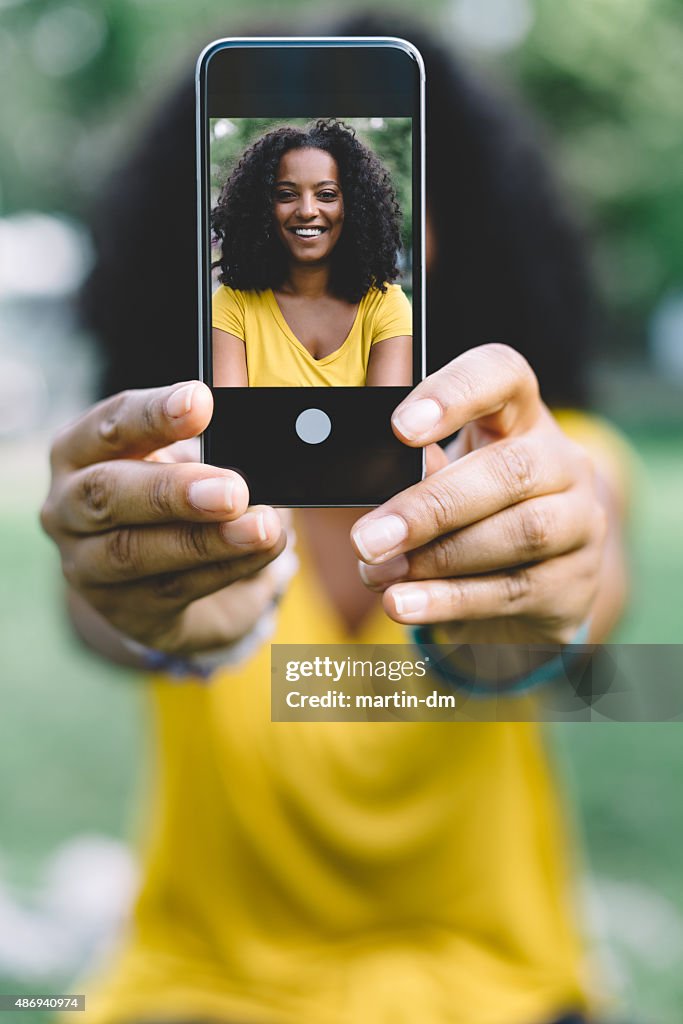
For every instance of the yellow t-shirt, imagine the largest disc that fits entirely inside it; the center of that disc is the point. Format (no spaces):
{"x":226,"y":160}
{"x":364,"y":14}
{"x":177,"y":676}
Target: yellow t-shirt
{"x":276,"y":357}
{"x":346,"y":872}
{"x":343,"y":873}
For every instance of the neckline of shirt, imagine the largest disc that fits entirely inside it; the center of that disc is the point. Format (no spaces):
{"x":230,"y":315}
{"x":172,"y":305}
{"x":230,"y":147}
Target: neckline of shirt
{"x":287,"y":330}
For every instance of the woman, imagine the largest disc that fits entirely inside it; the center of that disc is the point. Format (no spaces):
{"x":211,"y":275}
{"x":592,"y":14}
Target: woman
{"x":306,"y":295}
{"x":350,"y":873}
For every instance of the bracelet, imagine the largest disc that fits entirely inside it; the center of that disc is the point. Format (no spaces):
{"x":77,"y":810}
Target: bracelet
{"x":203,"y":665}
{"x":548,"y":672}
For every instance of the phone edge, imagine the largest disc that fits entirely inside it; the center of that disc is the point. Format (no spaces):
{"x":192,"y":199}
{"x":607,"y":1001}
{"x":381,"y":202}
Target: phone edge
{"x":394,"y":41}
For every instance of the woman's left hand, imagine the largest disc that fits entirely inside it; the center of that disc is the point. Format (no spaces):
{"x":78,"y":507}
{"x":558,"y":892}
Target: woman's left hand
{"x":506,"y":534}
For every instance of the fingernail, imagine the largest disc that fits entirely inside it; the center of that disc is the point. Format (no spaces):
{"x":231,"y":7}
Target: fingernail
{"x":410,"y":600}
{"x":380,"y":536}
{"x":248,"y":529}
{"x":416,"y":418}
{"x":213,"y":495}
{"x":386,"y":572}
{"x":180,"y":402}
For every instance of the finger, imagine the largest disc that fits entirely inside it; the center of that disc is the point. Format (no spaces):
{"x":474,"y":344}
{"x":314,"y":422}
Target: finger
{"x":537,"y":591}
{"x":133,"y":553}
{"x":127,"y":492}
{"x":159,"y":598}
{"x":220,"y":617}
{"x":180,"y":451}
{"x":479,"y":485}
{"x":492,"y":383}
{"x":133,"y":424}
{"x":436,"y":458}
{"x":531,"y":531}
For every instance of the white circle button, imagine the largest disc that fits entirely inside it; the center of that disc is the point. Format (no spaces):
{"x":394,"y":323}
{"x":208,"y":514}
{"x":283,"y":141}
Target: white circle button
{"x":313,"y":426}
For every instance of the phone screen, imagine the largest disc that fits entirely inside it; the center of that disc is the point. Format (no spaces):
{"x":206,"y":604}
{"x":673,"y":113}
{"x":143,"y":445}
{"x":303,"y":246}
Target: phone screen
{"x":310,"y":168}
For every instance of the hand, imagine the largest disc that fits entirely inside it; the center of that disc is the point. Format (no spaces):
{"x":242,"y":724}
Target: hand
{"x":168,"y":552}
{"x":505,"y":535}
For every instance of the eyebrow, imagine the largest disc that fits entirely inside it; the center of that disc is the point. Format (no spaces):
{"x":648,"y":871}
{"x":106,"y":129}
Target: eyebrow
{"x":328,"y":181}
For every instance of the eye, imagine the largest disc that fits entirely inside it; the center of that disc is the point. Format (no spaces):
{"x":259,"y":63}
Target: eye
{"x":284,"y":195}
{"x":327,"y":195}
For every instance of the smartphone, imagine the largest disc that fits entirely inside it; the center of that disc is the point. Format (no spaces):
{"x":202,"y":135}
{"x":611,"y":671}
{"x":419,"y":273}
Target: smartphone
{"x":310,"y":192}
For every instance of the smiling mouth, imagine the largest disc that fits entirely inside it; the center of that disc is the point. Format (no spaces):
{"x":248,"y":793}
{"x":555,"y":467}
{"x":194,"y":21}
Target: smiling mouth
{"x":307,"y":232}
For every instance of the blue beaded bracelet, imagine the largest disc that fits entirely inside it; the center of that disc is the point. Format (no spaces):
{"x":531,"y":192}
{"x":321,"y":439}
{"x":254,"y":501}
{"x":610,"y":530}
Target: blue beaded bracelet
{"x":549,"y":671}
{"x":202,"y":666}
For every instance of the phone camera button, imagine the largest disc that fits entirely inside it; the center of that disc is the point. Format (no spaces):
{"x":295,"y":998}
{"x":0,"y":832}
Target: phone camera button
{"x":313,"y":426}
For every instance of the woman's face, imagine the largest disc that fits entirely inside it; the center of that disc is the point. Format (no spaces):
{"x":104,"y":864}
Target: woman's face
{"x":308,"y":205}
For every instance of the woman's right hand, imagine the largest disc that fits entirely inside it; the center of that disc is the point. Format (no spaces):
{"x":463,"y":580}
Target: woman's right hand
{"x":167,"y":552}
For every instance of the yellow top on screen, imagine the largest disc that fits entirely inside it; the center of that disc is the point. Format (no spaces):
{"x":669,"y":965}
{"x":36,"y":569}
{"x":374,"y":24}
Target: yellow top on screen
{"x":276,"y":357}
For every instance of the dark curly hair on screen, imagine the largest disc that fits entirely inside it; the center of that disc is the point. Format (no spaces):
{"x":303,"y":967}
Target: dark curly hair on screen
{"x":253,"y":257}
{"x":510,"y":264}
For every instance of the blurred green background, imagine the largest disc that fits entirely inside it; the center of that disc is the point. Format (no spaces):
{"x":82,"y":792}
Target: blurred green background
{"x":604,"y":79}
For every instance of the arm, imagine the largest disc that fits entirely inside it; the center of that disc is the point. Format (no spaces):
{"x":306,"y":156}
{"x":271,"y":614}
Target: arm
{"x":391,"y":363}
{"x":229,"y":360}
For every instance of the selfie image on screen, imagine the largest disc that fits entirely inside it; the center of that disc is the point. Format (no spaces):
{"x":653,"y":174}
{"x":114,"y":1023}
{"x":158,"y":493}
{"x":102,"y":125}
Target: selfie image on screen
{"x":311,"y":252}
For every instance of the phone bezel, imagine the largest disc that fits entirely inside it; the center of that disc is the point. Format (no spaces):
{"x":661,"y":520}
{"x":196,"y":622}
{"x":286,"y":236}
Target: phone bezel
{"x":202,"y":169}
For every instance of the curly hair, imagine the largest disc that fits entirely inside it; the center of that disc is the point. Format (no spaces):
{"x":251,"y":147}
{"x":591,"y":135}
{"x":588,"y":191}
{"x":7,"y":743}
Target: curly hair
{"x":510,"y":262}
{"x":253,"y":258}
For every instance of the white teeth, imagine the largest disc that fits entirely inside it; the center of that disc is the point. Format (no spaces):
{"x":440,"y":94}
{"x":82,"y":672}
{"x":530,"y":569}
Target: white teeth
{"x":308,"y":232}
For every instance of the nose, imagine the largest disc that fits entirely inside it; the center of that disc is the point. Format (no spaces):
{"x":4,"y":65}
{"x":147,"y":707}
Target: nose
{"x":308,"y":208}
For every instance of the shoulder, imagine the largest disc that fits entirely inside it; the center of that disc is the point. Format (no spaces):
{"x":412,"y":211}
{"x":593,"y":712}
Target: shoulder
{"x":392,"y":298}
{"x":229,"y":298}
{"x":389,"y":312}
{"x":230,"y":310}
{"x":232,"y":302}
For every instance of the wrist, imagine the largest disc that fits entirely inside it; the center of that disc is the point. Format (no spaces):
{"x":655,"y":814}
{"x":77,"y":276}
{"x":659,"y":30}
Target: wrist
{"x":202,"y":665}
{"x":536,"y":665}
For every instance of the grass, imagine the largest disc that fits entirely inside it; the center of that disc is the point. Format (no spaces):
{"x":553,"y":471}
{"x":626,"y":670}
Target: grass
{"x":72,"y":729}
{"x":626,"y":778}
